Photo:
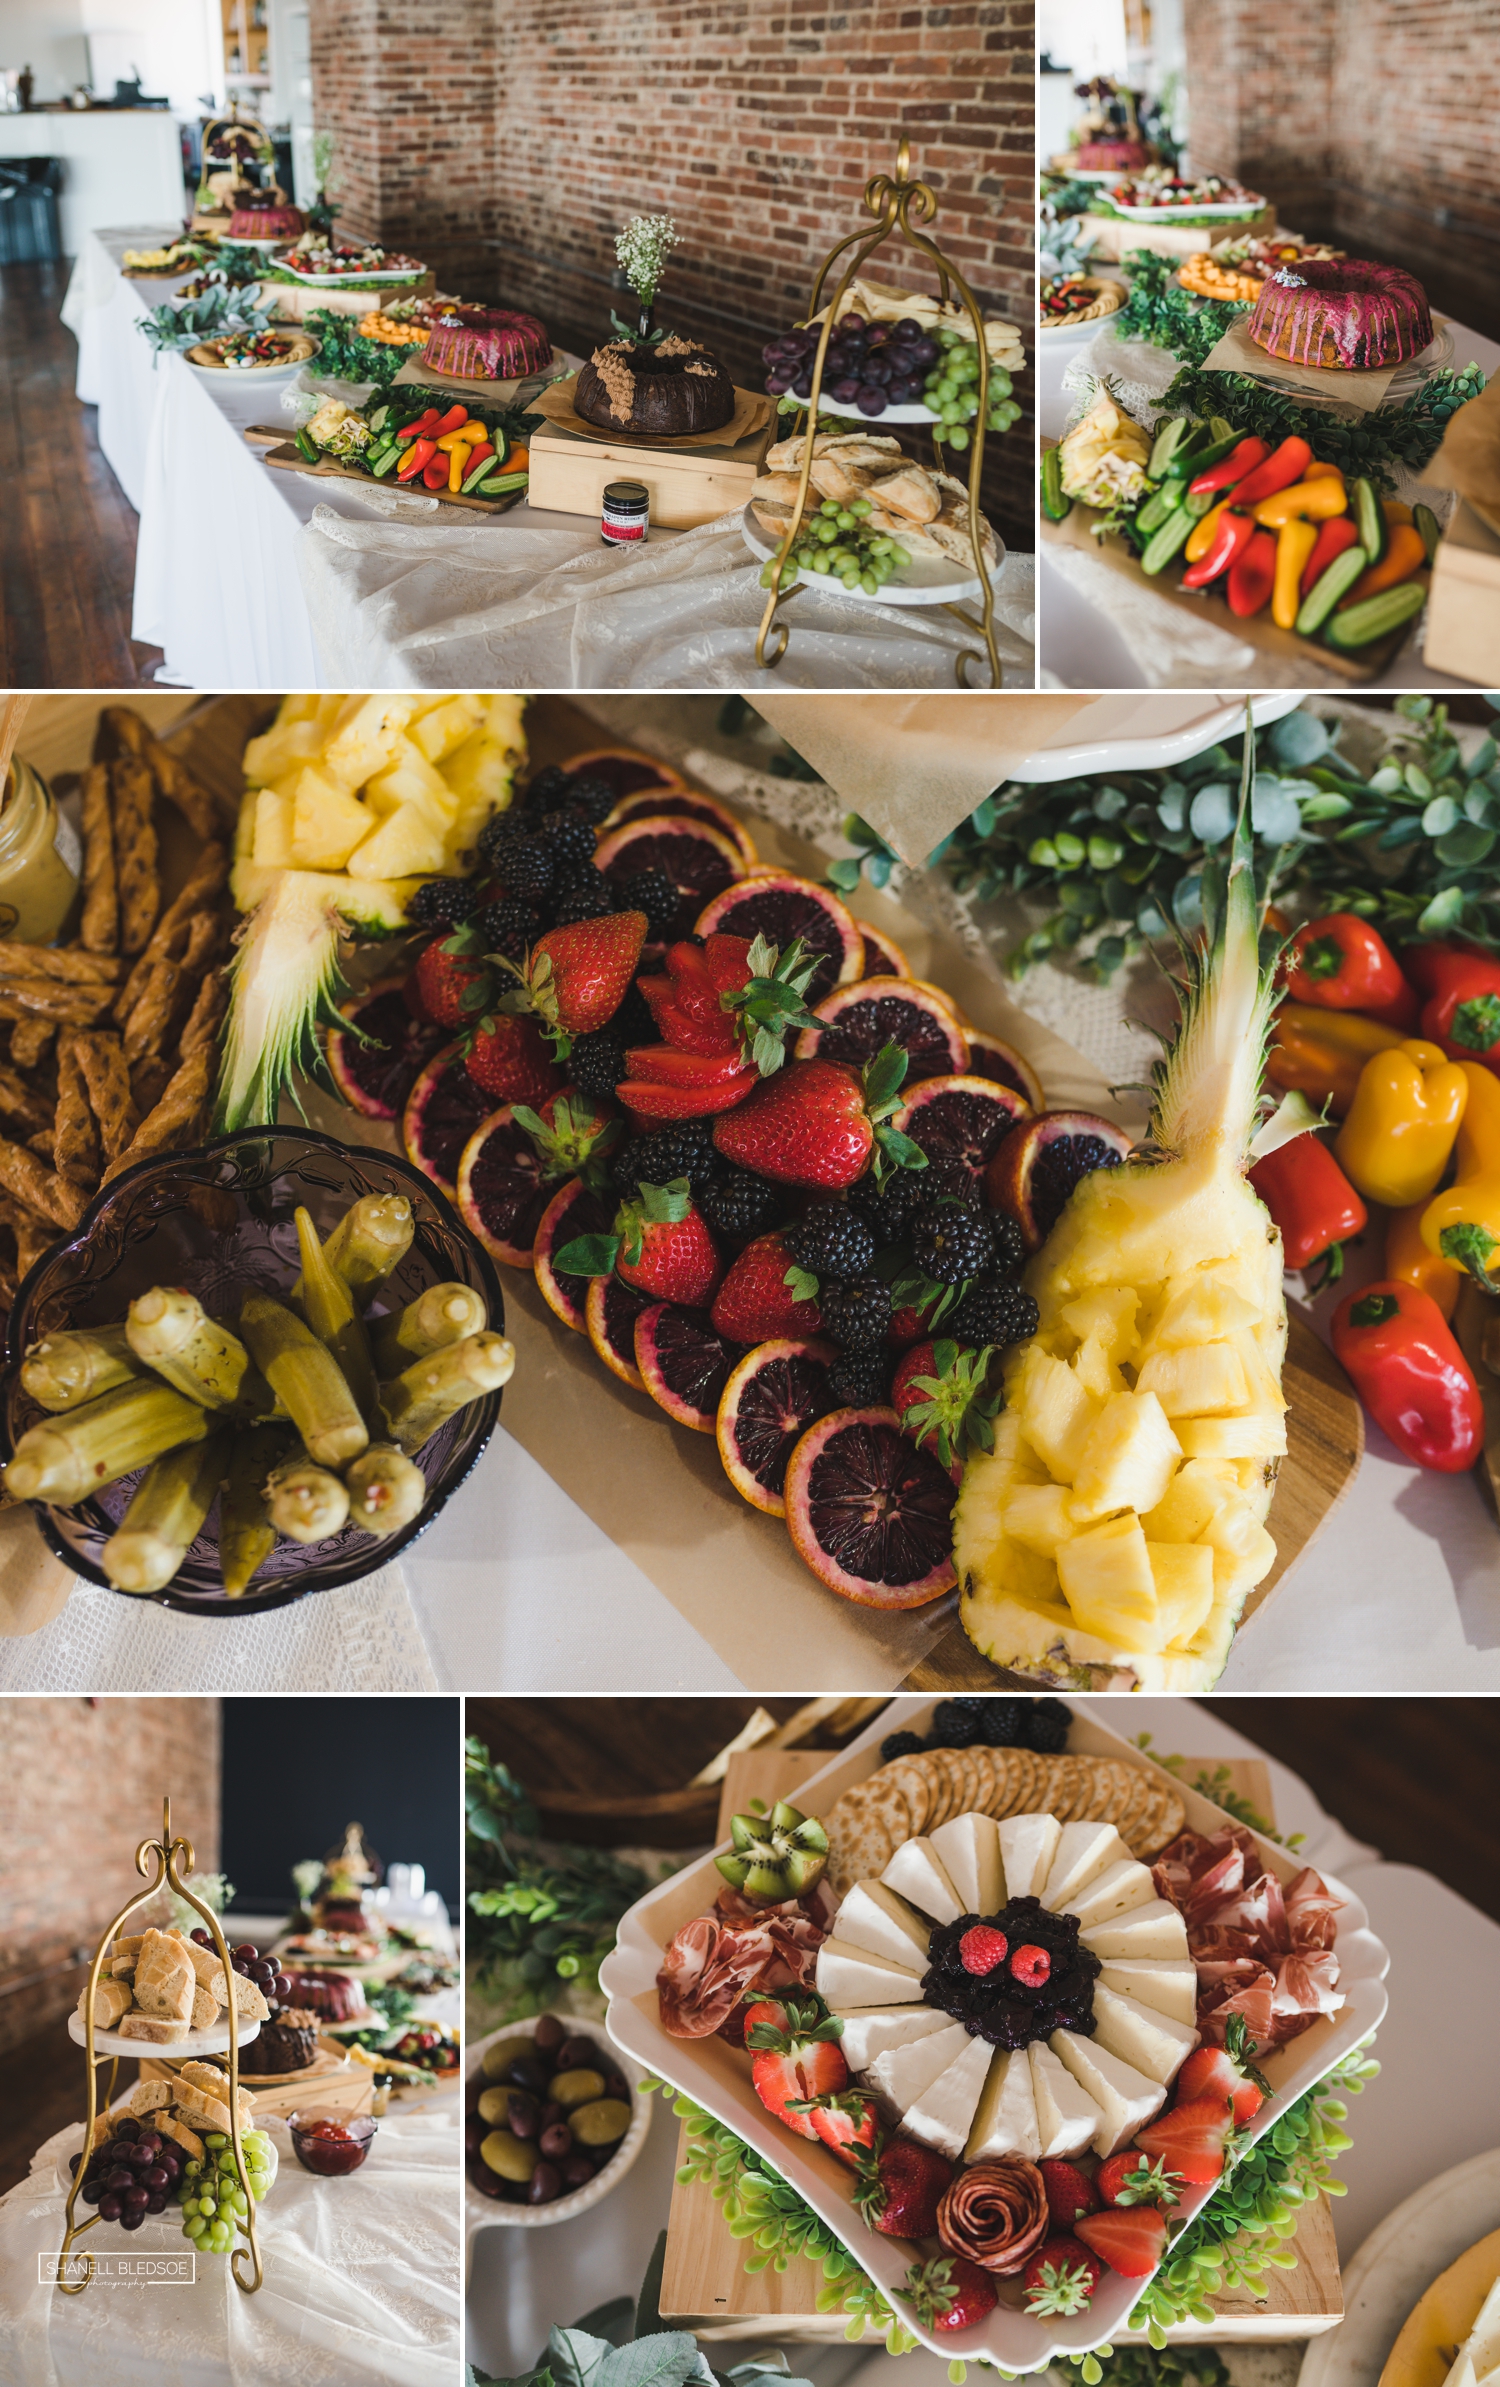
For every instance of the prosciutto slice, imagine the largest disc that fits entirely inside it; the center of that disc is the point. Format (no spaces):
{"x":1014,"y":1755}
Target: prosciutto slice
{"x":718,"y":1960}
{"x":1262,"y":1952}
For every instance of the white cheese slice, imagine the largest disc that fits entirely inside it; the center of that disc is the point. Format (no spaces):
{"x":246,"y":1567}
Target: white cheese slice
{"x":874,"y":1918}
{"x":1028,"y":1844}
{"x":903,"y":2073}
{"x":1067,"y":2119}
{"x":1155,"y":2043}
{"x":1113,"y":1892}
{"x":1156,"y":1929}
{"x":853,"y":1977}
{"x":916,"y":1872}
{"x":943,"y":2115}
{"x":1125,"y":2097}
{"x":1478,"y":2363}
{"x":1171,"y":1986}
{"x":1005,"y":2120}
{"x":869,"y":2032}
{"x":1083,"y":1850}
{"x":969,"y":1846}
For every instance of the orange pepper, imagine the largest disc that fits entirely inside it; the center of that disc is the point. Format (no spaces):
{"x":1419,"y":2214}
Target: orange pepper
{"x":517,"y":459}
{"x":1394,"y":510}
{"x":1203,"y":533}
{"x":1322,"y":472}
{"x":1408,"y":1259}
{"x":1405,"y":555}
{"x":1322,"y":1053}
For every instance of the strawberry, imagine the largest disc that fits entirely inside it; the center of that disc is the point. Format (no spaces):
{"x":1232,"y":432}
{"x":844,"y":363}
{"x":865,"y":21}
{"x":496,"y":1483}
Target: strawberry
{"x":731,"y":996}
{"x":684,"y":1101}
{"x":901,"y":2187}
{"x":578,"y":976}
{"x":685,"y":1003}
{"x":909,"y":1326}
{"x":1132,"y":2238}
{"x":1129,"y":2178}
{"x":573,"y":1133}
{"x":1069,"y":2192}
{"x":664,"y":1065}
{"x":846,"y":2121}
{"x":507,"y":1056}
{"x":817,"y":1123}
{"x":1226,"y":2071}
{"x":450,"y":988}
{"x":1061,"y":2278}
{"x":659,"y":1244}
{"x":796,"y":2058}
{"x":915,"y":1362}
{"x":755,"y":1304}
{"x":951,"y":2293}
{"x":942,"y":1394}
{"x":1191,"y":2137}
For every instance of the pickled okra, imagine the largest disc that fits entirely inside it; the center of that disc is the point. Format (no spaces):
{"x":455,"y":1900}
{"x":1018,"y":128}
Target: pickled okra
{"x":443,"y":1314}
{"x":306,"y":1502}
{"x":425,"y":1395}
{"x":371,"y":1239}
{"x":329,"y":1308}
{"x":246,"y":1535}
{"x":386,"y":1490}
{"x":172,"y":1333}
{"x":66,"y":1458}
{"x":64,"y":1370}
{"x":306,"y":1378}
{"x":166,"y":1514}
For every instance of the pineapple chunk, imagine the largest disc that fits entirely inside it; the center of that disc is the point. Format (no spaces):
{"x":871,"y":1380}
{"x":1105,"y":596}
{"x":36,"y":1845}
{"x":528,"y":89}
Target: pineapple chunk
{"x":1108,"y":1319}
{"x":1128,"y":1460}
{"x":1196,"y":1380}
{"x":447,"y":726}
{"x":1256,"y":1436}
{"x":1183,"y":1573}
{"x":1108,"y":1583}
{"x":1235,"y":1526}
{"x":327,"y":822}
{"x":1057,"y":1412}
{"x":1039,"y":1515}
{"x":271,"y":846}
{"x":284,"y":745}
{"x":366,"y":740}
{"x":480,"y":774}
{"x":405,"y":845}
{"x":1096,"y":1370}
{"x":1261,"y":1377}
{"x":1236,"y":1573}
{"x":1201,"y":1309}
{"x":1192,"y":1501}
{"x":410,"y":778}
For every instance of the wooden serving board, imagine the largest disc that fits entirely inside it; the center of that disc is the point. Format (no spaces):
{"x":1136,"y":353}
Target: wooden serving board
{"x":332,"y":2081}
{"x":286,"y":456}
{"x":1325,"y":1431}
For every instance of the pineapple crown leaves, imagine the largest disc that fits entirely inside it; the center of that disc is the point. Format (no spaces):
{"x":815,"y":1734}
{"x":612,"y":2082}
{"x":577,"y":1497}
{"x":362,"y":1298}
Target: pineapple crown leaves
{"x":957,"y":1407}
{"x":883,"y":1079}
{"x":772,"y":1000}
{"x":653,"y":1206}
{"x":1150,"y":2183}
{"x":1060,"y":2290}
{"x":807,"y":2020}
{"x":576,"y":1142}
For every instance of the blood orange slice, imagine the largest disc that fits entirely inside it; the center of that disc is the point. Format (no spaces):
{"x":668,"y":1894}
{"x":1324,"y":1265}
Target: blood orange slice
{"x":775,"y":905}
{"x":770,"y":1400}
{"x":573,"y":1210}
{"x":503,"y":1188}
{"x":859,"y":1020}
{"x":609,"y":1315}
{"x":989,"y":1057}
{"x":869,"y":1513}
{"x":684,"y":1364}
{"x":883,"y":956}
{"x":378,"y":1058}
{"x":624,"y":768}
{"x":442,"y":1111}
{"x":1035,"y":1170}
{"x":961,"y":1118}
{"x":698,"y":858}
{"x":686,"y":804}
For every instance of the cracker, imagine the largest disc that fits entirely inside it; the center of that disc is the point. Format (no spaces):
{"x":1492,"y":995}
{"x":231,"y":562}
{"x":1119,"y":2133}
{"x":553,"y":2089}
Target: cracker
{"x":1028,"y":1789}
{"x":1070,"y":1788}
{"x":1162,"y":1822}
{"x":913,"y":1778}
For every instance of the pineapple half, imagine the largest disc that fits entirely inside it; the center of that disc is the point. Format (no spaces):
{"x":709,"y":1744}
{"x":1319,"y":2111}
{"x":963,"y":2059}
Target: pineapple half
{"x":1111,"y":1537}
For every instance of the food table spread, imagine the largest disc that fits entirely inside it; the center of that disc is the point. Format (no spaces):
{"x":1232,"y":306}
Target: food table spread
{"x":296,"y":582}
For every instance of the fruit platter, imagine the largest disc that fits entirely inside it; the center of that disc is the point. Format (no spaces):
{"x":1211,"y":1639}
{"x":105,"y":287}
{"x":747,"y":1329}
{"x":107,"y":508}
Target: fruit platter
{"x":319,"y":260}
{"x":1167,"y":198}
{"x":1070,"y":299}
{"x":920,"y":366}
{"x":254,"y":352}
{"x":973,"y":2003}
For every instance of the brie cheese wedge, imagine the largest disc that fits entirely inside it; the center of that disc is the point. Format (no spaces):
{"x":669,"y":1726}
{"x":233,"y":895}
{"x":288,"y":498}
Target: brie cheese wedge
{"x":1083,"y":1851}
{"x":969,"y":1846}
{"x":869,"y":2033}
{"x":874,"y":1918}
{"x":1478,"y":2363}
{"x":916,"y":1871}
{"x":1158,"y":1981}
{"x":1154,"y":2043}
{"x":943,"y":2115}
{"x":903,"y":2073}
{"x":1028,"y":1844}
{"x":1156,"y":1929}
{"x":1125,"y":2097}
{"x":1005,"y":2120}
{"x":1119,"y":1887}
{"x":853,"y":1977}
{"x":1067,"y":2119}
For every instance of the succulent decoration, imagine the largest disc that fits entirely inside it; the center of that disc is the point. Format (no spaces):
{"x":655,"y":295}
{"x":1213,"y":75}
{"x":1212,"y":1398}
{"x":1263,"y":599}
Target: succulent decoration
{"x":643,"y":248}
{"x":219,"y":313}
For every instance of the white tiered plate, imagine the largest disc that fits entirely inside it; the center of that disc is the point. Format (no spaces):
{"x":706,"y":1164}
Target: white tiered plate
{"x":177,"y":2052}
{"x":350,"y":281}
{"x":926,"y":580}
{"x":915,"y":413}
{"x":1222,"y":211}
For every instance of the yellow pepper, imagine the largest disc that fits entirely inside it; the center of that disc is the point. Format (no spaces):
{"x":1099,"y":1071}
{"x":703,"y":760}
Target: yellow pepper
{"x":1309,"y":501}
{"x":458,"y":465}
{"x":1203,"y":534}
{"x":1295,"y":542}
{"x":1462,"y":1226}
{"x":1408,"y":1260}
{"x":1320,"y":1053}
{"x":1401,"y":1128}
{"x":1477,"y":1152}
{"x":468,"y":435}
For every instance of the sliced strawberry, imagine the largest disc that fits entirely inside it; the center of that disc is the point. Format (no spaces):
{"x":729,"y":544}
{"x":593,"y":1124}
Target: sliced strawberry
{"x":1226,"y":2071}
{"x":451,"y":989}
{"x":1061,"y":2277}
{"x":1130,"y":2178}
{"x":1131,"y":2238}
{"x":796,"y":2058}
{"x":686,"y":1102}
{"x":848,"y":2122}
{"x":900,"y":2190}
{"x":951,"y":2293}
{"x":1191,"y":2137}
{"x":508,"y":1056}
{"x":755,"y":1304}
{"x":1069,"y":2192}
{"x":664,"y":1065}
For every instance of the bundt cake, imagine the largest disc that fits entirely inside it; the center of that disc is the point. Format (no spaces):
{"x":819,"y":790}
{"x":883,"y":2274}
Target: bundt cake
{"x":487,"y":344}
{"x":1105,"y":156}
{"x":258,"y":216}
{"x":288,"y":2044}
{"x":672,"y":391}
{"x":1343,"y":312}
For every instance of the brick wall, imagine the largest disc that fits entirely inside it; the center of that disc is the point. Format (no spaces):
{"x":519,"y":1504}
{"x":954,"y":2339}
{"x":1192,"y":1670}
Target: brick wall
{"x":1372,"y":123}
{"x":84,"y":1786}
{"x":509,"y":149}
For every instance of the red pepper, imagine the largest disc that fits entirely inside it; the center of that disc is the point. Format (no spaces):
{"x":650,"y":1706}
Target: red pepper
{"x":1334,"y":536}
{"x":451,"y":420}
{"x":1462,"y":1013}
{"x":1280,"y":471}
{"x":1343,"y":963}
{"x":1410,"y":1374}
{"x":1428,"y":966}
{"x":414,"y":430}
{"x":1252,"y":575}
{"x":435,"y":472}
{"x":480,"y":453}
{"x":1401,"y":1013}
{"x":1234,"y":467}
{"x":1232,"y":537}
{"x":417,"y":457}
{"x":1313,"y":1203}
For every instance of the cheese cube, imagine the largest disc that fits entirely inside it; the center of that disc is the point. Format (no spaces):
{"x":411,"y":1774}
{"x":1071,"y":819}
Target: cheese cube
{"x":1125,"y":2097}
{"x":903,"y":2073}
{"x":874,"y":1918}
{"x":943,"y":2116}
{"x":969,"y":1846}
{"x":1005,"y":2120}
{"x":869,"y":2032}
{"x":1155,"y":2043}
{"x":1120,"y":1886}
{"x":1067,"y":2119}
{"x":1156,"y":1929}
{"x":1028,"y":1844}
{"x":1083,"y":1850}
{"x":852,"y":1977}
{"x":916,"y":1872}
{"x":1158,"y":1981}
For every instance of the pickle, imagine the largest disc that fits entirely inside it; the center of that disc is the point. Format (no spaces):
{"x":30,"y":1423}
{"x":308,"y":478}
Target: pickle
{"x":173,"y":1334}
{"x":425,"y":1395}
{"x":369,"y":1241}
{"x":63,"y":1370}
{"x":329,"y":1308}
{"x":386,"y":1489}
{"x":306,"y":1377}
{"x":67,"y":1458}
{"x":246,"y":1535}
{"x":443,"y":1314}
{"x":307,"y":1504}
{"x":166,"y":1514}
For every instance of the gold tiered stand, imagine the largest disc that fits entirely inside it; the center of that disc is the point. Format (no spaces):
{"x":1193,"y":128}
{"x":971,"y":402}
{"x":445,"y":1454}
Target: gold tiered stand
{"x":898,"y":205}
{"x":166,"y":1851}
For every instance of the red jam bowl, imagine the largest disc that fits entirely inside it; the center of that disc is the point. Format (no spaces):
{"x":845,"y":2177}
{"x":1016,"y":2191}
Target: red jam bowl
{"x":331,"y":2143}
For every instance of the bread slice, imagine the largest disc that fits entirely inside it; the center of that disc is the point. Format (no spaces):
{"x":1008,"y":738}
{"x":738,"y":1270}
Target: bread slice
{"x":207,"y":2081}
{"x":148,"y":2096}
{"x":164,"y":1979}
{"x":111,"y":2000}
{"x":122,"y":1967}
{"x":205,"y":2012}
{"x":160,"y":2029}
{"x":913,"y":494}
{"x":205,"y":1964}
{"x":129,"y":1946}
{"x":249,"y":1998}
{"x":172,"y":2126}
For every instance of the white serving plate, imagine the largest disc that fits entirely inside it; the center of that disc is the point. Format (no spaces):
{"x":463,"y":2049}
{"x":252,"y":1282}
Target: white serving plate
{"x":1129,"y":732}
{"x":230,"y":375}
{"x":483,"y":2209}
{"x":926,"y":580}
{"x":717,"y":2077}
{"x":914,"y":413}
{"x":406,"y":273}
{"x":1396,"y":2266}
{"x":1227,"y":211}
{"x":242,"y":240}
{"x":177,"y":2052}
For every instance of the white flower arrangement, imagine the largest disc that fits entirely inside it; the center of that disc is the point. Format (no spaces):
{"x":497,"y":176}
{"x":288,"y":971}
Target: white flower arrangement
{"x":642,"y":249}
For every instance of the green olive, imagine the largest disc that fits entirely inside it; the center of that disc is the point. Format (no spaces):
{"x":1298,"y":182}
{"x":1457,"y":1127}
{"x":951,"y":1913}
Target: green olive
{"x":577,"y":2088}
{"x":505,"y":2052}
{"x":494,"y":2104}
{"x":599,"y":2124}
{"x":508,"y":2155}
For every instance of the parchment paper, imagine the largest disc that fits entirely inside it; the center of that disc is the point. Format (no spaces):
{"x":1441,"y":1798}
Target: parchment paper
{"x":1469,"y":459}
{"x":752,"y":412}
{"x":1238,"y":353}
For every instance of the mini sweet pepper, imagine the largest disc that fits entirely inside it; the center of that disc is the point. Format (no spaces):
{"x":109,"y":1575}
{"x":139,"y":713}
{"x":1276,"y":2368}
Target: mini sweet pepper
{"x":1410,"y":1374}
{"x":1403,"y":1123}
{"x":1477,"y":1151}
{"x":1343,"y":964}
{"x":1321,"y":1053}
{"x":1313,"y":1203}
{"x":1462,"y":1226}
{"x":1462,"y":1010}
{"x":1407,"y":1257}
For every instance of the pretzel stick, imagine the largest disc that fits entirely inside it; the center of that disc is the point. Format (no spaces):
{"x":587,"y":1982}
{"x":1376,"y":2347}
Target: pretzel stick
{"x":67,"y":963}
{"x":210,"y":872}
{"x":75,"y":1151}
{"x":44,"y":998}
{"x":55,"y":1197}
{"x":29,"y":1039}
{"x":173,"y":779}
{"x":20,"y":1101}
{"x":101,"y":910}
{"x":135,"y":852}
{"x":203,"y":1020}
{"x":103,"y":1063}
{"x":33,"y":1237}
{"x":178,"y":1108}
{"x":149,"y":1080}
{"x":145,"y":1031}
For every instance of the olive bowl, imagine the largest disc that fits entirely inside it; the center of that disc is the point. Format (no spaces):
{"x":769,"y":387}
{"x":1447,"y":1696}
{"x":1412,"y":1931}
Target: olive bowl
{"x":218,"y":1221}
{"x":482,"y":2211}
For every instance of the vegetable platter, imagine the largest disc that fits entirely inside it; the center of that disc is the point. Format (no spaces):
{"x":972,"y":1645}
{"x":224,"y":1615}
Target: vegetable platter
{"x":443,"y":451}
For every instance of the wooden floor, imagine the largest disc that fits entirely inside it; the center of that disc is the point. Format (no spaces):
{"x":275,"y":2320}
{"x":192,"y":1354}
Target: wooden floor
{"x":67,"y":556}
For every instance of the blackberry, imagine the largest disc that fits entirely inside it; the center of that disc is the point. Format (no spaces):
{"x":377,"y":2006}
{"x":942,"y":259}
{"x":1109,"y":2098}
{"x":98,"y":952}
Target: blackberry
{"x":508,"y":928}
{"x":1047,"y":1724}
{"x":571,"y":838}
{"x":862,"y":1379}
{"x":500,"y":830}
{"x":991,"y":1312}
{"x":527,"y":868}
{"x":856,"y":1311}
{"x":957,"y":1724}
{"x":684,"y":1149}
{"x":653,"y":892}
{"x":594,"y":798}
{"x":950,"y":1243}
{"x":1009,"y":1242}
{"x":442,"y":903}
{"x":597,"y":1062}
{"x":741,"y":1205}
{"x":545,"y":790}
{"x":579,"y":900}
{"x":996,"y":2005}
{"x":1005,"y":1722}
{"x":830,"y":1239}
{"x":900,"y":1744}
{"x":887,"y":1208}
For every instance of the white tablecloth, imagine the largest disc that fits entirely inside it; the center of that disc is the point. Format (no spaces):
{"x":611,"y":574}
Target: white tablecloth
{"x":253,"y":578}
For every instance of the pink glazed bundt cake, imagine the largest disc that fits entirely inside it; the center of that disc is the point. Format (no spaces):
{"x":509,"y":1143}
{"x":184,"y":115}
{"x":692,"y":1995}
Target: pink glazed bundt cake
{"x":1343,"y":312}
{"x":487,"y":344}
{"x":258,"y":217}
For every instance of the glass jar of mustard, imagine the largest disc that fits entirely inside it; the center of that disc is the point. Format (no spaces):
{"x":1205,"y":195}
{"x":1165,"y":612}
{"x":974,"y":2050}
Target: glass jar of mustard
{"x":40,"y":859}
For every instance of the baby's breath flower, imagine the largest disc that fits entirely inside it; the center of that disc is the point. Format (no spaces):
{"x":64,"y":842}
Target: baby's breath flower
{"x":642,"y":248}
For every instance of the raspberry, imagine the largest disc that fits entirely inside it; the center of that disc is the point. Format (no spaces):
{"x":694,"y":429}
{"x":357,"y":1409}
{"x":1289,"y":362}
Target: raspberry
{"x":981,"y":1949}
{"x":1031,"y":1966}
{"x":441,"y":903}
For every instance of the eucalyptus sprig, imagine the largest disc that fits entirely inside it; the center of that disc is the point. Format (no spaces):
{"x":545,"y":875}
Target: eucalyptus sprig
{"x":1219,"y":1790}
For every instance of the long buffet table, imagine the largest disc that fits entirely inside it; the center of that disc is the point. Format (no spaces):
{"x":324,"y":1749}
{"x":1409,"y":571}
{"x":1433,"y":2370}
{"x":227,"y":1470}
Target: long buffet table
{"x":250,"y":578}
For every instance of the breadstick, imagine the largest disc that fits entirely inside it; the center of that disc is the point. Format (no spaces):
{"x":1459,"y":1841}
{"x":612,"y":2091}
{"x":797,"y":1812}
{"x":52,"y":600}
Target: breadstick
{"x":178,"y":1108}
{"x":68,"y":963}
{"x":44,"y":998}
{"x":75,"y":1151}
{"x":20,"y":1101}
{"x":139,"y":882}
{"x":145,"y":1031}
{"x":101,"y":910}
{"x":108,"y":1080}
{"x":173,"y":779}
{"x":29,"y":1039}
{"x":203,"y":1020}
{"x":33,"y":1236}
{"x":55,"y":1197}
{"x":210,"y":872}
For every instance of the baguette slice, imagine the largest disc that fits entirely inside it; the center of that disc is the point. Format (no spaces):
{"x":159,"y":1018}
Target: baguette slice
{"x":111,"y":2000}
{"x":161,"y":2029}
{"x":172,"y":2126}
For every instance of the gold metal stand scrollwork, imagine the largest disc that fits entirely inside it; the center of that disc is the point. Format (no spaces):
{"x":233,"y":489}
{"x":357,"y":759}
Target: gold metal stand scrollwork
{"x":897,"y":204}
{"x":166,"y":1852}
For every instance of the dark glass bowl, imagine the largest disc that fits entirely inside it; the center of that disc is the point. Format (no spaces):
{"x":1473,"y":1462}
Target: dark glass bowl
{"x":218,"y":1221}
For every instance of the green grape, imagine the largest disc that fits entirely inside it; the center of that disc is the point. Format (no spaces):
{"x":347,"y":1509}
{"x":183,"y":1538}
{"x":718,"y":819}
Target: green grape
{"x":861,"y":507}
{"x":214,"y":2138}
{"x":207,"y":2206}
{"x":845,"y":519}
{"x":958,"y":437}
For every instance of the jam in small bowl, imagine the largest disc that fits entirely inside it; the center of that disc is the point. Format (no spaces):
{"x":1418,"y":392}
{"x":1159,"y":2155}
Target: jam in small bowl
{"x":330,"y":2143}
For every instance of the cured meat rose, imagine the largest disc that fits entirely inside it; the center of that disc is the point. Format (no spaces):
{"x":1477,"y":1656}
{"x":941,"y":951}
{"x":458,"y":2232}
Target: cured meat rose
{"x":716,"y":1961}
{"x":1262,"y":1952}
{"x":996,"y":2214}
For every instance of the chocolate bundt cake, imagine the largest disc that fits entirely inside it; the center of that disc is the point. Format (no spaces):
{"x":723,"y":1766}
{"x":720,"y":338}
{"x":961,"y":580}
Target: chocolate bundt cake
{"x":1343,"y":312}
{"x":487,"y":344}
{"x":288,"y":2044}
{"x":671,"y":391}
